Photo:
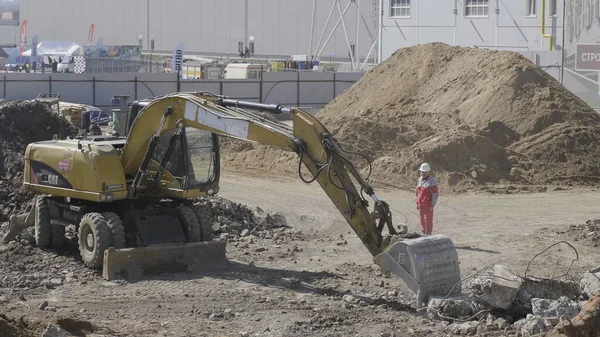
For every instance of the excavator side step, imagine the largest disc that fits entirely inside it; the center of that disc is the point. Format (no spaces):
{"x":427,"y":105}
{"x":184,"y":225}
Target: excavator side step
{"x":137,"y":263}
{"x":428,"y":265}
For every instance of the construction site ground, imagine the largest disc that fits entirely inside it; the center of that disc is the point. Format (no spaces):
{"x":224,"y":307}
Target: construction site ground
{"x":298,"y":289}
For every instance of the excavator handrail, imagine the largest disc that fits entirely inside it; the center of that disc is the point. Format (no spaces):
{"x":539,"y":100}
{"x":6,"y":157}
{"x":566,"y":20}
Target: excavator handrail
{"x":318,"y":150}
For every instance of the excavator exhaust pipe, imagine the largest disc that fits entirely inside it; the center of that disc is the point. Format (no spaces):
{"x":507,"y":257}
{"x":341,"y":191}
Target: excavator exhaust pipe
{"x":428,"y":265}
{"x":138,"y":263}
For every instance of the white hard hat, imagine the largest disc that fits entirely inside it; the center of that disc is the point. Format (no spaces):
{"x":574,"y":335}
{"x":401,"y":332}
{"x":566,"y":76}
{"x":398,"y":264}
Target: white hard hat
{"x":425,"y":167}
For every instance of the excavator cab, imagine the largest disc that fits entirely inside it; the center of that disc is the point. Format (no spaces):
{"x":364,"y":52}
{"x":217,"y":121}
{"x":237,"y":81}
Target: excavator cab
{"x":185,"y":162}
{"x":193,"y":166}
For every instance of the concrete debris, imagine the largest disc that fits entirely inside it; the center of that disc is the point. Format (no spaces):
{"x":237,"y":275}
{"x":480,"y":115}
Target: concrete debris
{"x":497,"y":287}
{"x":277,"y":220}
{"x":239,"y":220}
{"x":554,"y":308}
{"x":590,"y":284}
{"x":501,"y":323}
{"x":55,"y":331}
{"x":30,"y":267}
{"x":548,"y":289}
{"x":532,"y":325}
{"x":465,"y":328}
{"x":588,"y":233}
{"x":349,"y":299}
{"x":458,"y":307}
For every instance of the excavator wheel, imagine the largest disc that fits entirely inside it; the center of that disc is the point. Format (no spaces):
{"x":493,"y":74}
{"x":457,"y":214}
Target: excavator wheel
{"x":94,"y":239}
{"x":42,"y":226}
{"x":117,"y":232}
{"x":204,"y":216}
{"x":190,"y":223}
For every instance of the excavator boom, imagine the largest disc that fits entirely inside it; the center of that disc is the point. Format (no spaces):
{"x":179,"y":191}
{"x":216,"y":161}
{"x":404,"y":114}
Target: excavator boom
{"x":428,"y":265}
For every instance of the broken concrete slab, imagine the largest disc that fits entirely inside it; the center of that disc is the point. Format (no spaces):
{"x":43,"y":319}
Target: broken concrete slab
{"x":497,"y":287}
{"x":532,"y":325}
{"x":590,"y":284}
{"x":277,"y":220}
{"x":548,"y":289}
{"x":554,"y":308}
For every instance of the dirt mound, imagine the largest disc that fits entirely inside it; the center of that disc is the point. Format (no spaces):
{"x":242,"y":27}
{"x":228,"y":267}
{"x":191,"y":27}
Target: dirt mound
{"x":21,"y":123}
{"x":480,"y":117}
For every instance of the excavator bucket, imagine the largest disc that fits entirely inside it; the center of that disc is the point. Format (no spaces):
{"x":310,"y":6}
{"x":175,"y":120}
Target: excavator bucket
{"x":428,"y":265}
{"x":137,"y":263}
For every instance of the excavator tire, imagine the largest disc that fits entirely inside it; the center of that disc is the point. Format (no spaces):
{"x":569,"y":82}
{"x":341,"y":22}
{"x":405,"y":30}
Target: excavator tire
{"x":117,"y":231}
{"x":42,"y":226}
{"x":190,"y":223}
{"x":204,"y":216}
{"x":58,"y":236}
{"x":94,"y":239}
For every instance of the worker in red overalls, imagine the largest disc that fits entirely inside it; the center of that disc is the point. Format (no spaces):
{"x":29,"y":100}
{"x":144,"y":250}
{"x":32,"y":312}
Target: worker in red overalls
{"x":427,"y":196}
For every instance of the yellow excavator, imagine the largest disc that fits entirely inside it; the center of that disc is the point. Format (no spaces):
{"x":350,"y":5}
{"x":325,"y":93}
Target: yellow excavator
{"x":131,"y":197}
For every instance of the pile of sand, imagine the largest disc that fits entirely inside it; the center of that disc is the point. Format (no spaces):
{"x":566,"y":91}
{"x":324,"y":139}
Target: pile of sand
{"x":481,"y":118}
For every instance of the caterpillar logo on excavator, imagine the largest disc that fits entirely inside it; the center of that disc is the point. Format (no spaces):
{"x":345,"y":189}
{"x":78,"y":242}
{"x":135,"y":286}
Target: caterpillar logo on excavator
{"x":130,"y":197}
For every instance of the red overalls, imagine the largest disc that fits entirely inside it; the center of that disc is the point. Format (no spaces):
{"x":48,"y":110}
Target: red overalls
{"x":427,"y":195}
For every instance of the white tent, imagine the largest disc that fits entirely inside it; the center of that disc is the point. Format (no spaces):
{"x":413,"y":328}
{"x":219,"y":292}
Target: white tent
{"x":55,"y":48}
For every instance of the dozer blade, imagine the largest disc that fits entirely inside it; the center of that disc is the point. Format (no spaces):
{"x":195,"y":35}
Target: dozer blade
{"x":428,"y":265}
{"x":137,"y":263}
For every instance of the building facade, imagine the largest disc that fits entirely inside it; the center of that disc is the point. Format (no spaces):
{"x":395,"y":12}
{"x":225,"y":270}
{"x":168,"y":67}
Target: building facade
{"x":277,"y":27}
{"x":496,"y":24}
{"x":582,"y":26}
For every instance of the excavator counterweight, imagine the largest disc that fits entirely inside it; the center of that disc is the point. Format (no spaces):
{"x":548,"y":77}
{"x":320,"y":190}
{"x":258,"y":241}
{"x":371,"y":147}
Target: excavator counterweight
{"x":130,"y":196}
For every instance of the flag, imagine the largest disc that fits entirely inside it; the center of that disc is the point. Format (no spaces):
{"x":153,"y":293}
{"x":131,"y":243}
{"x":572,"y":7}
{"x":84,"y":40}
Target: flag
{"x":91,"y":34}
{"x":177,"y":60}
{"x":23,"y":37}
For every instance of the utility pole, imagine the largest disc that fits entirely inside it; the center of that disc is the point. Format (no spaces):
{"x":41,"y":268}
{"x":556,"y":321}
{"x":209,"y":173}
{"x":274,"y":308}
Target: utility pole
{"x":148,"y":23}
{"x":246,"y":25}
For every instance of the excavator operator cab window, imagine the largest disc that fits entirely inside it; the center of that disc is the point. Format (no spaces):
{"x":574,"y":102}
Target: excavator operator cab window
{"x":202,"y":156}
{"x":194,"y":160}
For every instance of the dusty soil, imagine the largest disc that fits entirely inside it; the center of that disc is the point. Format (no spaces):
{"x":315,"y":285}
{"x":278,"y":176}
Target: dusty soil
{"x":294,"y":284}
{"x":499,"y":121}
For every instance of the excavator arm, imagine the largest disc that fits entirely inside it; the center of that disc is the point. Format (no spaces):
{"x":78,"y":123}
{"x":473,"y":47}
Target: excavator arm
{"x":317,"y":150}
{"x":428,"y":265}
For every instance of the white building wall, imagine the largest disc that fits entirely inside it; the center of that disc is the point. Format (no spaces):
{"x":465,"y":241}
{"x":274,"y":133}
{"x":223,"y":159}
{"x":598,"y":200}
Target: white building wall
{"x":582,"y":26}
{"x":446,"y":21}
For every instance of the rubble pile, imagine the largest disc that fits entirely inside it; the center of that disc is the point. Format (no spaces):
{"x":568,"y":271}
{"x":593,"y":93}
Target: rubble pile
{"x":502,"y":301}
{"x":501,"y":124}
{"x":25,"y":266}
{"x":232,"y":219}
{"x":588,"y":233}
{"x":21,"y":123}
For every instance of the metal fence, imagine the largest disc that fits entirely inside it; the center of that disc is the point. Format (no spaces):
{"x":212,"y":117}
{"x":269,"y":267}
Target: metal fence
{"x":308,"y":90}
